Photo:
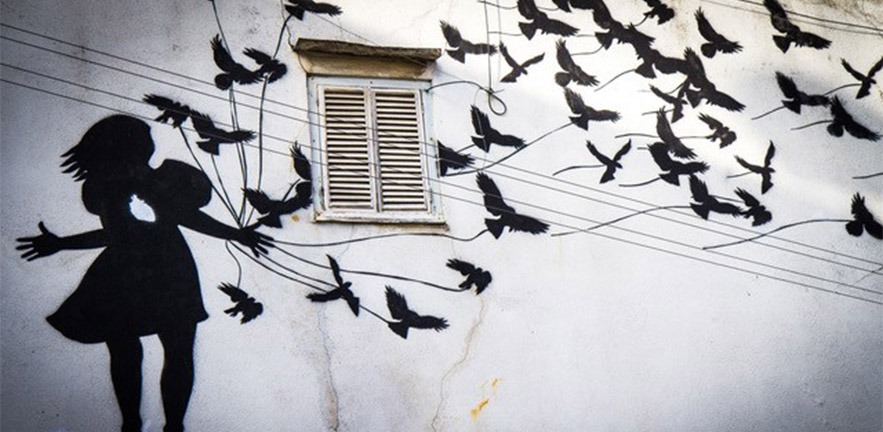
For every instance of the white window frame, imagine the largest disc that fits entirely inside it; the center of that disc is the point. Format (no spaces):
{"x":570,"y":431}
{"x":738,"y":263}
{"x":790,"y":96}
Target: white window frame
{"x":428,"y":153}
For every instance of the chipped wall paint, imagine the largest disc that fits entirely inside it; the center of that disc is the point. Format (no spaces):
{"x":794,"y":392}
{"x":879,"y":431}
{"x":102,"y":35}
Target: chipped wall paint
{"x":603,"y":331}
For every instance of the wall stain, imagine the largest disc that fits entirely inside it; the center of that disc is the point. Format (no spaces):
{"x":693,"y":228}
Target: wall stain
{"x":477,"y":410}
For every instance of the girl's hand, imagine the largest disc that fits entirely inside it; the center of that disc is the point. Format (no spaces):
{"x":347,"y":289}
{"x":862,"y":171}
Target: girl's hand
{"x":257,"y":242}
{"x":39,"y":246}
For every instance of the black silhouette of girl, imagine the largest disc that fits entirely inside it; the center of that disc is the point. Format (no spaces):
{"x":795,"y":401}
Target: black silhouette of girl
{"x":145,"y":281}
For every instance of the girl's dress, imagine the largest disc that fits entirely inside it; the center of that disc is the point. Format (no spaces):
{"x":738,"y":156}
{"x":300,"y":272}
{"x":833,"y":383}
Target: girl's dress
{"x":145,"y":281}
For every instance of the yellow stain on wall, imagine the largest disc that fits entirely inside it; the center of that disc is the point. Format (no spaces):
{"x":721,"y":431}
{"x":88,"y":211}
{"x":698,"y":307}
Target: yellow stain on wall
{"x":295,"y":218}
{"x":477,"y":410}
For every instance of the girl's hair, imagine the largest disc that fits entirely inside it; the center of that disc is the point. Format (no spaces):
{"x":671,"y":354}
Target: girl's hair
{"x":115,"y":142}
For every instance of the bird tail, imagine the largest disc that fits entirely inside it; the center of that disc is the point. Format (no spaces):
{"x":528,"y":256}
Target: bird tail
{"x":782,"y":42}
{"x":708,"y":50}
{"x":399,"y":328}
{"x":458,"y":55}
{"x":671,"y":177}
{"x":353,"y":303}
{"x":792,"y":105}
{"x":562,"y":78}
{"x":209,"y":147}
{"x":495,"y":226}
{"x":481,"y":143}
{"x":604,"y":38}
{"x":693,"y":97}
{"x":701,"y":210}
{"x":271,"y":220}
{"x":646,"y":70}
{"x":581,"y":121}
{"x":529,"y":29}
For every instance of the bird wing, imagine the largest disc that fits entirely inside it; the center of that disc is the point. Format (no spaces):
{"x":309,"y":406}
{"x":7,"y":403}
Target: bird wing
{"x":602,"y":115}
{"x":335,"y":269}
{"x":594,"y":151}
{"x":574,"y":101}
{"x":659,"y":151}
{"x":694,"y":63}
{"x":480,"y":122}
{"x":450,"y":158}
{"x":663,"y":128}
{"x":259,"y":200}
{"x":203,"y":124}
{"x":321,"y":8}
{"x":622,"y":151}
{"x":705,"y":28}
{"x":222,"y":57}
{"x":855,"y":74}
{"x":665,"y":97}
{"x":526,"y":224}
{"x":787,"y":85}
{"x":698,"y":189}
{"x":509,"y":60}
{"x":259,"y":57}
{"x":463,"y":267}
{"x":528,"y":9}
{"x":747,"y":198}
{"x":301,"y":164}
{"x":236,"y":294}
{"x":876,"y":68}
{"x":853,"y":127}
{"x":429,"y":322}
{"x":723,"y":100}
{"x":396,"y":303}
{"x":748,"y":166}
{"x":493,"y":201}
{"x":452,"y":35}
{"x":712,"y":123}
{"x":563,"y":56}
{"x":533,"y":60}
{"x":770,"y":152}
{"x":778,"y":17}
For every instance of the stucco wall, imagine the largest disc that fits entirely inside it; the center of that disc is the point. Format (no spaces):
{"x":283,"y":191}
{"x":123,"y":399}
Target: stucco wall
{"x":630,"y":327}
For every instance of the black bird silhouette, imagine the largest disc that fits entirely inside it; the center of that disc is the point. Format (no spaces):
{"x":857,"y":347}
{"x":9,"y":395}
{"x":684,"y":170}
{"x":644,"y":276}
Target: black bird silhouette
{"x":755,"y":210}
{"x":518,"y":69}
{"x":572,"y":71}
{"x":301,"y":164}
{"x":718,"y":131}
{"x":677,"y":103}
{"x":407,"y":318}
{"x":171,"y":110}
{"x":625,"y":34}
{"x":863,"y":220}
{"x":611,"y":164}
{"x":706,"y":203}
{"x":564,"y":5}
{"x":485,"y":135}
{"x":797,"y":98}
{"x":232,"y":71}
{"x":341,"y":292}
{"x":270,"y":68}
{"x":461,"y":46}
{"x":273,"y":210}
{"x":244,"y":304}
{"x":765,"y":171}
{"x":716,"y":43}
{"x":474,"y":275}
{"x":659,"y":10}
{"x":667,"y":135}
{"x":674,"y":168}
{"x":585,"y":113}
{"x":793,"y":34}
{"x":297,"y":8}
{"x":866,"y":80}
{"x":449,"y":159}
{"x":494,"y":204}
{"x":213,"y":136}
{"x":843,"y":120}
{"x":705,"y":89}
{"x":540,"y":21}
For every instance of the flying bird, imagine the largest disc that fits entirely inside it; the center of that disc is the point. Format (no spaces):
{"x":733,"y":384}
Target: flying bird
{"x":718,"y":131}
{"x":611,"y":164}
{"x":585,"y":113}
{"x":270,"y":68}
{"x":755,"y":211}
{"x":792,"y":33}
{"x":706,"y":203}
{"x":540,"y":21}
{"x":564,"y":5}
{"x":273,"y":210}
{"x":705,"y":89}
{"x":507,"y":217}
{"x":677,"y":103}
{"x":297,"y":8}
{"x":518,"y":69}
{"x":485,"y":135}
{"x":407,"y":318}
{"x":213,"y":136}
{"x":796,"y":98}
{"x":244,"y":304}
{"x":231,"y":70}
{"x":765,"y":171}
{"x":716,"y":43}
{"x":668,"y":137}
{"x":863,"y":220}
{"x":301,"y":164}
{"x":571,"y":71}
{"x":461,"y":47}
{"x":341,"y":292}
{"x":171,"y":110}
{"x":866,"y":80}
{"x":674,"y":168}
{"x":449,"y":159}
{"x":843,"y":121}
{"x":660,"y":10}
{"x":476,"y":276}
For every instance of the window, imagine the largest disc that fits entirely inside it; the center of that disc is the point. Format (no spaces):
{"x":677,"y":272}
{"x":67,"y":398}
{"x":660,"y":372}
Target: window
{"x":372,"y":145}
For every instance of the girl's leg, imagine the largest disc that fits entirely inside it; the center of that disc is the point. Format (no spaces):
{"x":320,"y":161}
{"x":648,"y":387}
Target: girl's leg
{"x":125,"y":372}
{"x":177,"y":375}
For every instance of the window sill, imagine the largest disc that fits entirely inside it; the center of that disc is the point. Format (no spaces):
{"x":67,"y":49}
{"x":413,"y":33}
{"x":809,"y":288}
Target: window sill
{"x":380,"y":218}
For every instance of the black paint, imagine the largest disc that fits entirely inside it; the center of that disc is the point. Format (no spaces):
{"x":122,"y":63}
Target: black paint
{"x":764,"y":171}
{"x":495,"y":205}
{"x":407,"y":318}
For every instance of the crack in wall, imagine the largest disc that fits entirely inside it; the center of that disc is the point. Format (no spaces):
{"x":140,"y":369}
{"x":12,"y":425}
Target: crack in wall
{"x":470,"y":339}
{"x":333,"y":402}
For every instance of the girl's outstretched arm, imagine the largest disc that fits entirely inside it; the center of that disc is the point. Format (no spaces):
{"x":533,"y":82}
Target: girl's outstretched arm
{"x":248,"y":236}
{"x":47,"y":243}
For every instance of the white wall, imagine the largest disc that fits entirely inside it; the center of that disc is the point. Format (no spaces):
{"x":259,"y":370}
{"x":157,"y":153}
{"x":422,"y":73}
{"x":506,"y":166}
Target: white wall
{"x":616,"y":331}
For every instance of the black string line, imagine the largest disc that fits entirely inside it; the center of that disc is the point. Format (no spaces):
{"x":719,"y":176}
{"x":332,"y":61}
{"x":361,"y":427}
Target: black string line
{"x":812,"y":21}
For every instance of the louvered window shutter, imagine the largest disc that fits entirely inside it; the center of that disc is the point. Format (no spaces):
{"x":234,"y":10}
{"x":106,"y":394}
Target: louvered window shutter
{"x":402,"y":179}
{"x":347,"y":151}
